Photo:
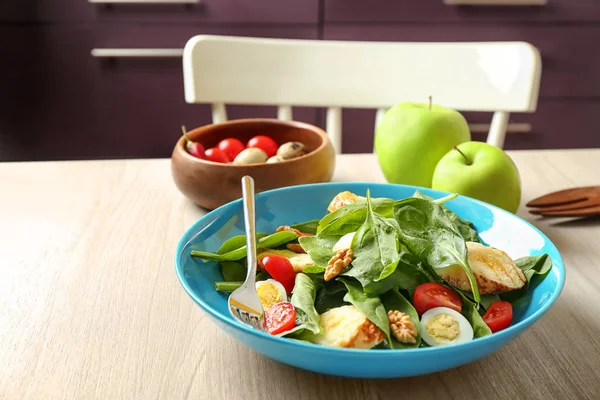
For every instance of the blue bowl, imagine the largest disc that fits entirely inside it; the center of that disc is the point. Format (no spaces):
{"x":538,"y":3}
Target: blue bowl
{"x":290,"y":205}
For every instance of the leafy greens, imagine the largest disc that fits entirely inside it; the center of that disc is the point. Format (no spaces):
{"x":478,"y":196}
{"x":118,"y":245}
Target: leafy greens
{"x":269,"y":241}
{"x":303,"y":299}
{"x":375,"y":248}
{"x":428,"y":233}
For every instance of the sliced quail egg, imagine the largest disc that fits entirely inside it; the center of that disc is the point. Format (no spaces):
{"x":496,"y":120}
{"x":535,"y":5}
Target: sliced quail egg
{"x":345,"y":242}
{"x":291,"y":150}
{"x":250,"y":155}
{"x":275,"y":159}
{"x":270,"y":292}
{"x":441,"y":326}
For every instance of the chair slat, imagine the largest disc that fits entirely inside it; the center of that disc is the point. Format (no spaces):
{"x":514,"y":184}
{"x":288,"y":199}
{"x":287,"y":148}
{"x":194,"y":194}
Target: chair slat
{"x":284,"y":113}
{"x":333,"y":126}
{"x":497,"y":132}
{"x":219,"y":113}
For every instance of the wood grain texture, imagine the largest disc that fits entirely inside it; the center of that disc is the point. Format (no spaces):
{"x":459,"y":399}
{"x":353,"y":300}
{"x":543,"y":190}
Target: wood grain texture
{"x":90,"y":307}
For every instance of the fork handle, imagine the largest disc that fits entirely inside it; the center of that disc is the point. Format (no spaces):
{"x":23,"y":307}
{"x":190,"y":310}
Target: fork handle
{"x":250,"y":222}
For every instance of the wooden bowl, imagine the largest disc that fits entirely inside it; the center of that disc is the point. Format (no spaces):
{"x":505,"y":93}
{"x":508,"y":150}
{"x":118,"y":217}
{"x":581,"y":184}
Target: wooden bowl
{"x":210,"y":184}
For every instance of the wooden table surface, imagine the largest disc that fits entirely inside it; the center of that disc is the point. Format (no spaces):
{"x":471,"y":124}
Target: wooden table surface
{"x":90,"y":307}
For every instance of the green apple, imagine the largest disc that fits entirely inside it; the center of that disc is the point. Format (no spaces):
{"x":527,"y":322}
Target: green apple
{"x":481,"y":171}
{"x":412,"y":137}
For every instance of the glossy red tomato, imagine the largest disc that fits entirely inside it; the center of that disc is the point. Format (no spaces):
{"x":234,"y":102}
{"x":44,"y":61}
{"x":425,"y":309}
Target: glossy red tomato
{"x":196,"y":149}
{"x":264,"y":143}
{"x":280,"y":268}
{"x":231,"y":147}
{"x":430,"y":295}
{"x":280,"y":317}
{"x":498,"y":316}
{"x":215,"y":154}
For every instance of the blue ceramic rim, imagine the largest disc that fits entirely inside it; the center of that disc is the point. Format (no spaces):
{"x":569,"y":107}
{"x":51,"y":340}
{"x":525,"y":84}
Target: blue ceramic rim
{"x":557,"y":266}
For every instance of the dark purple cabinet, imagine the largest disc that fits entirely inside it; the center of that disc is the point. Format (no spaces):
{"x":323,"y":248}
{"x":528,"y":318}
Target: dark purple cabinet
{"x":62,"y":103}
{"x":59,"y":102}
{"x":570,"y":65}
{"x":433,"y":11}
{"x":211,"y":11}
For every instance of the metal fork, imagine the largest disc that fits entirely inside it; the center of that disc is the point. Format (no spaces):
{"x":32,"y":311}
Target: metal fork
{"x":244,"y":304}
{"x":574,"y":202}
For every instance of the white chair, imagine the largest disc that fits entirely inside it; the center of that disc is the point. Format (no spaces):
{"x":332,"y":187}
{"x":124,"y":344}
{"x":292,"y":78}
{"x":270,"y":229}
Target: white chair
{"x":499,"y":77}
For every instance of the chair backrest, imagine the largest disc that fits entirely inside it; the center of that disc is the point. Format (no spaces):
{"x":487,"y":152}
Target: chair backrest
{"x":500,"y":77}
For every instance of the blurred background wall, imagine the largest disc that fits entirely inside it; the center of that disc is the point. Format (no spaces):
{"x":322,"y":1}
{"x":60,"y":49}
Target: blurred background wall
{"x":57,"y":101}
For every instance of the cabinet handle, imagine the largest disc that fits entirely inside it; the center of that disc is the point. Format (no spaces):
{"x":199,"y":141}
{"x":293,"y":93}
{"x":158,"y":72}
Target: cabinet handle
{"x":137,"y":52}
{"x":511,"y":128}
{"x":143,"y":1}
{"x":496,"y":2}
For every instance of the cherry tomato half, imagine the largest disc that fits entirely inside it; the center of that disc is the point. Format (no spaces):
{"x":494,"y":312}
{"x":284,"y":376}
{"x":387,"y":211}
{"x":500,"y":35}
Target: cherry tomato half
{"x":280,"y":317}
{"x":430,"y":295}
{"x":264,"y":143}
{"x":498,"y":316}
{"x":217,"y":155}
{"x":231,"y":147}
{"x":280,"y":268}
{"x":196,"y":149}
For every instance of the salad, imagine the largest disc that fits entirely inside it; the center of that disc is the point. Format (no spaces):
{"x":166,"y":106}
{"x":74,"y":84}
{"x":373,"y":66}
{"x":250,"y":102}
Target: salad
{"x":379,"y":273}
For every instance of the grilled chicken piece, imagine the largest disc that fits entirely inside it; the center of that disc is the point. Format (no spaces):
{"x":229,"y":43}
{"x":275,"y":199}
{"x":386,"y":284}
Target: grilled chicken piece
{"x":343,"y":199}
{"x":347,"y":327}
{"x":495,"y":272}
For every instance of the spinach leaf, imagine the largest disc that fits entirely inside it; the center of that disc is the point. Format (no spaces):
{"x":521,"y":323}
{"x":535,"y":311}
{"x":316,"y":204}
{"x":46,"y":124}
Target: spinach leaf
{"x":534,"y":265}
{"x":307,"y":227}
{"x":319,"y":248}
{"x":331,"y":296}
{"x":262,"y":276}
{"x":236,"y":242}
{"x":267,"y":242}
{"x":314,"y":269}
{"x":233,"y":271}
{"x":535,"y":269}
{"x":375,"y":248}
{"x":469,"y":310}
{"x":303,"y":299}
{"x":406,"y":276}
{"x":464,"y":227}
{"x":354,"y":214}
{"x":393,"y":300}
{"x":368,"y":304}
{"x":428,"y":233}
{"x":486,"y":302}
{"x":349,"y":222}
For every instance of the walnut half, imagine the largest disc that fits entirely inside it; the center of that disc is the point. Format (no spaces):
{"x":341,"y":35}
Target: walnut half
{"x":296,"y":248}
{"x":402,"y":327}
{"x":338,"y":262}
{"x":289,"y":228}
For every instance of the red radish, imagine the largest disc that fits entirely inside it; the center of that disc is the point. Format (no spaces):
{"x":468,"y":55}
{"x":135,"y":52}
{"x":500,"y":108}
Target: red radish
{"x":194,"y":148}
{"x":264,"y":143}
{"x":231,"y":147}
{"x":215,"y":154}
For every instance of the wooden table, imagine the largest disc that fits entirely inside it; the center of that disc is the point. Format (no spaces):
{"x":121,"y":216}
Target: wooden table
{"x":90,"y":307}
